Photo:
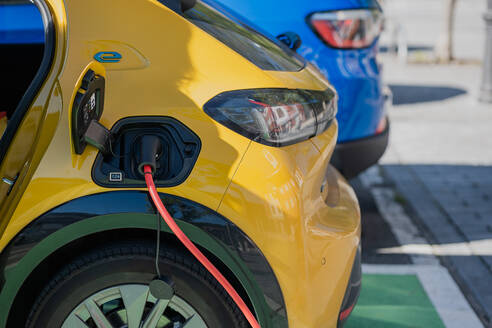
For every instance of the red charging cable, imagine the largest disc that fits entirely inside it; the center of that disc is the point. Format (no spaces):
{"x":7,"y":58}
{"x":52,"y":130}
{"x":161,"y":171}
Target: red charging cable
{"x":195,"y":251}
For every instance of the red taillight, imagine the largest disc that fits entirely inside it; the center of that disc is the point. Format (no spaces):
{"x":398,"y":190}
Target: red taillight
{"x":381,"y":126}
{"x":344,"y":314}
{"x":348,"y":29}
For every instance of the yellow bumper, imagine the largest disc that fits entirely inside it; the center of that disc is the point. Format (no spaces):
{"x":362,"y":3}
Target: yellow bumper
{"x":305,"y":218}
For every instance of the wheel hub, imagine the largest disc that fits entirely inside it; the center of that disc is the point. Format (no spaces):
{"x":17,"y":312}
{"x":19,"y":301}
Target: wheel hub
{"x":132,"y":306}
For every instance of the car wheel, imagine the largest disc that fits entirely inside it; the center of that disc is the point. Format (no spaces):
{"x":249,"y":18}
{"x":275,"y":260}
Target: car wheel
{"x":109,"y":287}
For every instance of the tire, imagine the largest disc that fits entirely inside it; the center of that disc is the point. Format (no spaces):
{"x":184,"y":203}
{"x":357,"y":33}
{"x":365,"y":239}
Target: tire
{"x":119,"y":265}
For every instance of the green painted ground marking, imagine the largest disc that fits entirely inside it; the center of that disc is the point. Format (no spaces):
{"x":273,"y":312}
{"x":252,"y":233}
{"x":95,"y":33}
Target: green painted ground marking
{"x":393,"y":301}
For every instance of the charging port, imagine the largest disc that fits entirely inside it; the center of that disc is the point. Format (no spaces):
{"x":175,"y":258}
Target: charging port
{"x":175,"y":148}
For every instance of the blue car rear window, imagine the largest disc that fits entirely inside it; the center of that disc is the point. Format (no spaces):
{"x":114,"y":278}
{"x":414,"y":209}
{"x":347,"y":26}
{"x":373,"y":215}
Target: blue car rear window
{"x":254,"y":46}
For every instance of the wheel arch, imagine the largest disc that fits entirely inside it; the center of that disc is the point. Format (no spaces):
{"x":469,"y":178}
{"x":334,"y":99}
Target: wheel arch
{"x":35,"y":280}
{"x":22,"y":268}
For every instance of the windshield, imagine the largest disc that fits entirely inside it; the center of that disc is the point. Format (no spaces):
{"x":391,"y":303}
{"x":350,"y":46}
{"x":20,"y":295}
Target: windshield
{"x":254,"y":46}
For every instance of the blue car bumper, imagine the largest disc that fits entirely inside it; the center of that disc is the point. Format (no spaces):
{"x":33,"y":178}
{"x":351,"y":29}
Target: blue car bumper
{"x":353,"y":157}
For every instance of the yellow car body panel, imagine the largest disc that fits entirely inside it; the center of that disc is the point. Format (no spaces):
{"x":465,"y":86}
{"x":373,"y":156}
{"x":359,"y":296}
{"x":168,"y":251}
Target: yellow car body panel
{"x":176,"y":84}
{"x":276,"y":198}
{"x":172,"y":68}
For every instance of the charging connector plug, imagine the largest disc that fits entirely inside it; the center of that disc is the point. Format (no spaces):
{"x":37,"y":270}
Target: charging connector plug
{"x":149,"y":150}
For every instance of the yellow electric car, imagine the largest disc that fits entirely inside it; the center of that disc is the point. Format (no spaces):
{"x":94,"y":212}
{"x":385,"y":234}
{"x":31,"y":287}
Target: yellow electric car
{"x":246,"y":130}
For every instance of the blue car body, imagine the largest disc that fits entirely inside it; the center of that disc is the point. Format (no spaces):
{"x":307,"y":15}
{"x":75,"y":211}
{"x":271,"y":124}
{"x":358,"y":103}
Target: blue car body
{"x":20,"y":23}
{"x":355,"y":73}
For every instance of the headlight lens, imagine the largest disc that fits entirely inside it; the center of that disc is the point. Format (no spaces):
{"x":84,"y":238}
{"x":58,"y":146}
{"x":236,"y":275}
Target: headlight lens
{"x":274,"y":117}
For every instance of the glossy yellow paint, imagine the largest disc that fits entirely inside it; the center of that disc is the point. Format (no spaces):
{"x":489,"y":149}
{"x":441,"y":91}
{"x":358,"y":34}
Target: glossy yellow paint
{"x":276,"y":198}
{"x":171,"y":68}
{"x":35,"y":131}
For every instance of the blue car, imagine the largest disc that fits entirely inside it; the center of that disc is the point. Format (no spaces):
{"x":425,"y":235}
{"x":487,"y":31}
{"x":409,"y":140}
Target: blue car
{"x":20,"y":23}
{"x":340,"y":37}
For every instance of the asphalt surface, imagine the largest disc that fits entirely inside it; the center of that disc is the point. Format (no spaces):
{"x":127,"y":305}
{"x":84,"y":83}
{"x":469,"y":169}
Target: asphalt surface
{"x":433,"y":203}
{"x":400,"y":288}
{"x":376,"y":232}
{"x":451,"y":204}
{"x":427,"y":208}
{"x":440,"y":163}
{"x":413,"y":256}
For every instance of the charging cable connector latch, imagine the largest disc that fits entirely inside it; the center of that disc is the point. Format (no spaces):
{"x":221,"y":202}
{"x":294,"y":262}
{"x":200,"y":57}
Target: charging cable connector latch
{"x":98,"y":136}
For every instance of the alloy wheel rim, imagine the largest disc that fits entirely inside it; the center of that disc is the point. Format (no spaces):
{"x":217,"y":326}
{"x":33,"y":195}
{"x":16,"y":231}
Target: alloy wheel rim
{"x":132,"y":306}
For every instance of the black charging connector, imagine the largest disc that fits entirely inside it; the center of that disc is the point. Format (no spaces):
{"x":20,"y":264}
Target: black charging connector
{"x":150,"y":149}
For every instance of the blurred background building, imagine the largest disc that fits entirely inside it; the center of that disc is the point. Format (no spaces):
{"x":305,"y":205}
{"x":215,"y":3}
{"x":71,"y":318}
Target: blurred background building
{"x":419,"y":26}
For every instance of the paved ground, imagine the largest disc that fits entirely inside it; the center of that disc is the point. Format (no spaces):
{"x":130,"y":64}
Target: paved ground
{"x":376,"y":232}
{"x":439,"y":165}
{"x":453,"y":213}
{"x":427,"y":209}
{"x":402,"y":302}
{"x":399,"y":283}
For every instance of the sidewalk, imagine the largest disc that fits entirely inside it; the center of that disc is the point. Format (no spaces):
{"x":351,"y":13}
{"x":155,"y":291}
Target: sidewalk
{"x":440,"y":162}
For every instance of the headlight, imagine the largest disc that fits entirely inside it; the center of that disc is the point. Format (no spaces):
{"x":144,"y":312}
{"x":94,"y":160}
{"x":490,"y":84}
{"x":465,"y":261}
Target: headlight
{"x":348,"y":29}
{"x":274,"y":117}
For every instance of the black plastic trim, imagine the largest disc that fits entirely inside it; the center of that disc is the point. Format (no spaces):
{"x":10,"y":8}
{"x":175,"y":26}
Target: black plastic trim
{"x":353,"y":288}
{"x":33,"y":89}
{"x":353,"y":157}
{"x":91,"y":83}
{"x":176,"y":6}
{"x":157,"y":122}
